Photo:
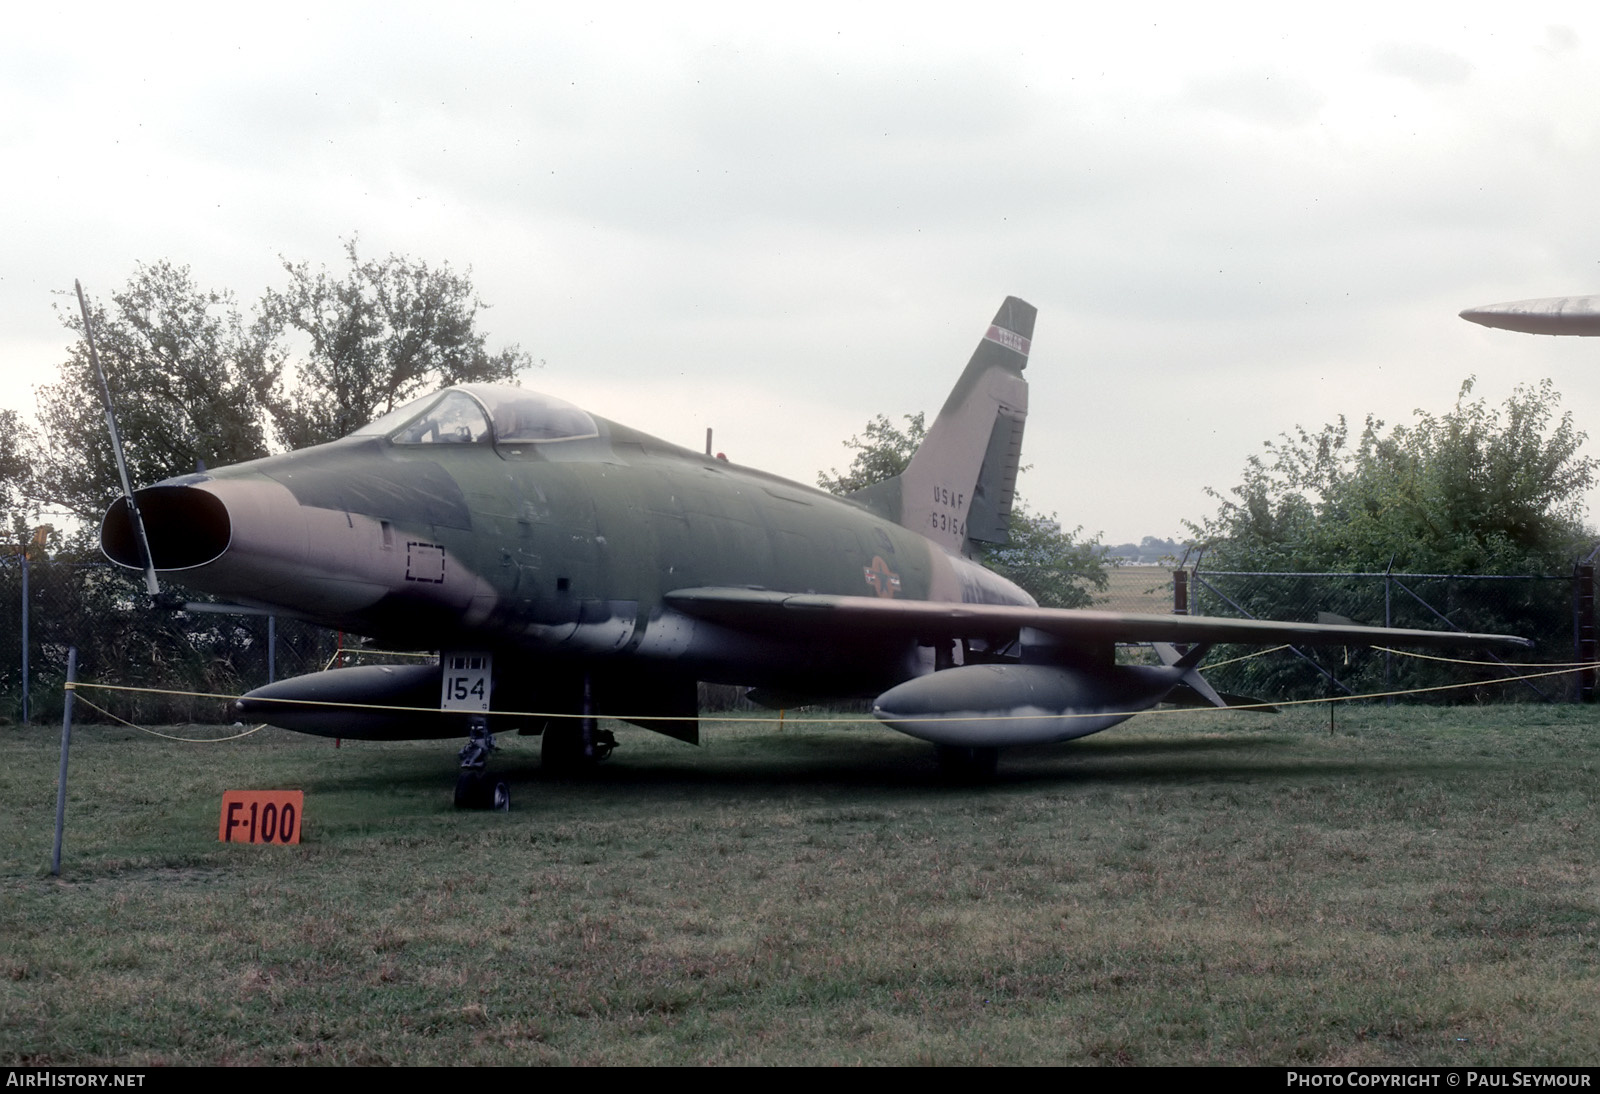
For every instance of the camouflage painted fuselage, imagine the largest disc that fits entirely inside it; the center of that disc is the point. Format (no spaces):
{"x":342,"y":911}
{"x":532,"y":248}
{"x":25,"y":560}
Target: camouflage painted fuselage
{"x":561,"y":550}
{"x":607,"y":572}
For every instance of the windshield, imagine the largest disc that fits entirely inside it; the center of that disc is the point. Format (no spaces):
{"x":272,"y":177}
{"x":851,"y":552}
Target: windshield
{"x":455,"y":419}
{"x":387,"y":422}
{"x":527,"y":417}
{"x":457,"y":416}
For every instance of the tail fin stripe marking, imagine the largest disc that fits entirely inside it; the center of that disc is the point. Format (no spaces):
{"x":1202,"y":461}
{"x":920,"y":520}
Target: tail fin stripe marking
{"x":1011,"y":340}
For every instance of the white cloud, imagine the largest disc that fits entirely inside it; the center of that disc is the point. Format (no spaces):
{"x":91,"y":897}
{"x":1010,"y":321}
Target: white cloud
{"x":1422,"y":64}
{"x":1230,"y":225}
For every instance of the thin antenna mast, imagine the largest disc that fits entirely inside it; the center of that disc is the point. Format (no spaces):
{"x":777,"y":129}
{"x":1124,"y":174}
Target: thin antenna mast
{"x":151,"y":585}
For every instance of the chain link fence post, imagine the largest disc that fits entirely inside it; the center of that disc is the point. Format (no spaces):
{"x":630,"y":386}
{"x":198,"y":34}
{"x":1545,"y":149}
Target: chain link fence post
{"x":24,"y":639}
{"x":1584,"y":642}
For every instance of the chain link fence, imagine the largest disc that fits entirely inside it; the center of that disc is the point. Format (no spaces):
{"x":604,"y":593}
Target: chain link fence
{"x":1544,"y":608}
{"x":123,"y":639}
{"x":1135,"y":588}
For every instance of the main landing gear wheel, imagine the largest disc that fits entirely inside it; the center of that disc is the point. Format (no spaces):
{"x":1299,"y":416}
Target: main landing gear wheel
{"x":563,"y":747}
{"x":967,"y":765}
{"x":480,"y":790}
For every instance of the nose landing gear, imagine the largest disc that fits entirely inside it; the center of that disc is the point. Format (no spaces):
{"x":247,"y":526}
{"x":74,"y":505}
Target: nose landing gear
{"x":475,"y":787}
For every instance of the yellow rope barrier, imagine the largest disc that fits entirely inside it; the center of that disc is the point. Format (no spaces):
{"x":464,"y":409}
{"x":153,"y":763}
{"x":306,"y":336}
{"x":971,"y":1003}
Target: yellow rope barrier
{"x":422,"y":710}
{"x":1248,"y":656}
{"x":168,"y":736}
{"x":1559,"y":670}
{"x":1487,"y":664}
{"x":1395,"y":694}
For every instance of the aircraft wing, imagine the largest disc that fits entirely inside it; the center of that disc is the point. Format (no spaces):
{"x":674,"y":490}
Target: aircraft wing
{"x":762,"y":611}
{"x":1579,"y":315}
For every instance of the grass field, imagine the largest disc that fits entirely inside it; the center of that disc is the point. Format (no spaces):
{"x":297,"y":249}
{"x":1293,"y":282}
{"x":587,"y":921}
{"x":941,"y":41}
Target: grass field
{"x":1136,"y":589}
{"x":1417,"y":887}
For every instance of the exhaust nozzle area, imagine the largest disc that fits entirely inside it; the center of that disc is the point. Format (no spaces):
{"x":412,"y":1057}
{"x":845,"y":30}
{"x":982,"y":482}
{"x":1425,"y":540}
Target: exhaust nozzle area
{"x":185,"y":527}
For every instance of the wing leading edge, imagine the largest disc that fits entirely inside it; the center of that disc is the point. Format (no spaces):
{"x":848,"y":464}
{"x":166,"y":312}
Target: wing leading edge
{"x":776,"y":614}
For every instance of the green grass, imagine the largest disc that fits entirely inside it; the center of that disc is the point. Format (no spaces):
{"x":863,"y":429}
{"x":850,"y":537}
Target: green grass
{"x":1419,"y":887}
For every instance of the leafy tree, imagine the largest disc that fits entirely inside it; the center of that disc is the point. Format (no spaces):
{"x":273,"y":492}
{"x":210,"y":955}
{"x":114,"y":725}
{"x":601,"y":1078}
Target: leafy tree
{"x":192,"y":382}
{"x":1475,"y":490}
{"x":1148,"y":550}
{"x":882,"y":451}
{"x":195,"y":380}
{"x":383,"y":332}
{"x":16,"y":482}
{"x":1054,"y":566}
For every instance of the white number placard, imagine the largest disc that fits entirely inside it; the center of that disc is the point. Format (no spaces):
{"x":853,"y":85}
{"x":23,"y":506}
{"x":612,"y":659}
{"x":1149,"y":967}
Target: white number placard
{"x":466,"y":681}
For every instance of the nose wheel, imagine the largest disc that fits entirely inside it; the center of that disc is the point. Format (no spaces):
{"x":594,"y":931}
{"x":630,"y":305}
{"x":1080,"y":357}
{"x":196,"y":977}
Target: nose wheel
{"x":475,"y":787}
{"x":480,"y":790}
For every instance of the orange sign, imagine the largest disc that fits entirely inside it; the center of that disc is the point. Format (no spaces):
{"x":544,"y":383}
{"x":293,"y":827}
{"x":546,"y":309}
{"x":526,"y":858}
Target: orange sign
{"x":261,"y":816}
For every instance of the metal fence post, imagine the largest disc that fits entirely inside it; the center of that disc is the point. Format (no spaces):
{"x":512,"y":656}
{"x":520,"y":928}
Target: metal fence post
{"x":1583,"y":627}
{"x":272,"y":649}
{"x":66,"y":746}
{"x":1180,"y":592}
{"x":24,"y":639}
{"x":1388,"y":621}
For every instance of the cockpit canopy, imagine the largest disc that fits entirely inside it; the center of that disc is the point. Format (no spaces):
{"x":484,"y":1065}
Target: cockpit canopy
{"x":483,"y":414}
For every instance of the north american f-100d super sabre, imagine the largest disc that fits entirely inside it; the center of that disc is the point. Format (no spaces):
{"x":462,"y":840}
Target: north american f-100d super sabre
{"x":574,"y":568}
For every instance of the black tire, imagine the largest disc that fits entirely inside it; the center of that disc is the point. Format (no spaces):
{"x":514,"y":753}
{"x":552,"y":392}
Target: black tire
{"x":474,"y":790}
{"x":561,"y":747}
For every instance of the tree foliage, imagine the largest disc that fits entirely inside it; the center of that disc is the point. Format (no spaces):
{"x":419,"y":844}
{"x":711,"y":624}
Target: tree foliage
{"x":882,"y":451}
{"x":16,"y":482}
{"x":192,"y":381}
{"x":1475,"y":490}
{"x":378,"y":334}
{"x":196,"y":381}
{"x":1057,"y":568}
{"x":1054,"y":567}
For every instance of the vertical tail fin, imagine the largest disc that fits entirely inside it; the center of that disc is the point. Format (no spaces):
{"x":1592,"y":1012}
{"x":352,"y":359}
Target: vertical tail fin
{"x":960,"y":483}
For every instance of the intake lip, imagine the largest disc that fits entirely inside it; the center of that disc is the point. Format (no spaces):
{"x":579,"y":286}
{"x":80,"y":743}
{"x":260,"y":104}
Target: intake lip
{"x":186,"y":527}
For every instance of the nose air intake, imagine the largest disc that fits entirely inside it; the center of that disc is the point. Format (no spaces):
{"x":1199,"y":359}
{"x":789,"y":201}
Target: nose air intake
{"x":186,"y":527}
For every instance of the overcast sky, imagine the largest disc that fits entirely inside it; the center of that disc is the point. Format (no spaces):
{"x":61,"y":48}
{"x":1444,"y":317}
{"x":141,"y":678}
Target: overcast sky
{"x":781,"y":226}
